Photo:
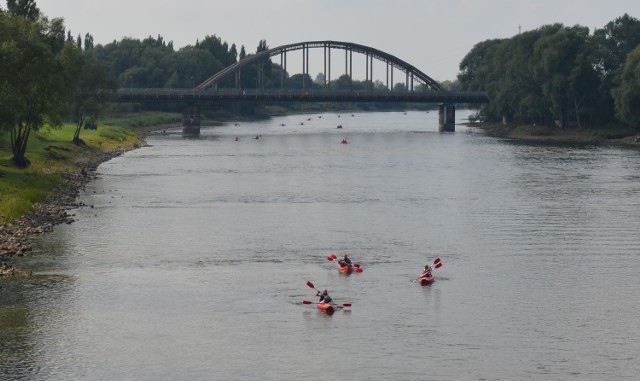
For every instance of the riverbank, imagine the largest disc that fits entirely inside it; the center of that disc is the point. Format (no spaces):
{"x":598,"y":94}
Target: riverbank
{"x":35,"y":199}
{"x":611,"y":134}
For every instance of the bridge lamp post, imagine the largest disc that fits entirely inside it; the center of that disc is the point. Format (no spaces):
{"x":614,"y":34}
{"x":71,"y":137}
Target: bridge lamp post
{"x":193,"y":85}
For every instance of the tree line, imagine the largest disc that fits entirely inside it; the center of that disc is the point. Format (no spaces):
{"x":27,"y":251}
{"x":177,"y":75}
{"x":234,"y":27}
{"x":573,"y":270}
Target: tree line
{"x":560,"y":76}
{"x":552,"y":75}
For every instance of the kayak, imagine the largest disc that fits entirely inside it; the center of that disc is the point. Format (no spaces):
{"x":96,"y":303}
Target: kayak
{"x":425,"y":280}
{"x":326,"y":307}
{"x":348,"y":269}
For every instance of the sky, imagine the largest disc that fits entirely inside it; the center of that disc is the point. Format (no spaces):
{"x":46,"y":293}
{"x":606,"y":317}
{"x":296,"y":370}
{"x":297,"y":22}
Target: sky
{"x":432,"y":35}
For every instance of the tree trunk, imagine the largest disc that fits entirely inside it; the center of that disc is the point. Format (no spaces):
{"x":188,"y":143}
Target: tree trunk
{"x":564,"y":115}
{"x":76,"y":134}
{"x":19,"y":138}
{"x":577,"y":107}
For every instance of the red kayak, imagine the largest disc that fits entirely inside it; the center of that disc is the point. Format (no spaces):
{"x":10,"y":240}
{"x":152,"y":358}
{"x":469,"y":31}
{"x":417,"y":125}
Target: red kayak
{"x":348,"y":269}
{"x":425,"y":280}
{"x":326,"y":307}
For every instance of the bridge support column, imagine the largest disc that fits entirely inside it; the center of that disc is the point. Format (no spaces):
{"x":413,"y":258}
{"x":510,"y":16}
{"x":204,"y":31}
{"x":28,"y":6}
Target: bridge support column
{"x":447,"y":117}
{"x":191,"y":120}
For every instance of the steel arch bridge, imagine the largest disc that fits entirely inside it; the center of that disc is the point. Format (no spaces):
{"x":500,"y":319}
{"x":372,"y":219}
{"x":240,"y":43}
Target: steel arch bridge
{"x":208,"y":92}
{"x":392,"y":62}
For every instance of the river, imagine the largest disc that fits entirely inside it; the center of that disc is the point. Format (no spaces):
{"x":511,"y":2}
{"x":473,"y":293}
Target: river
{"x":191,"y":259}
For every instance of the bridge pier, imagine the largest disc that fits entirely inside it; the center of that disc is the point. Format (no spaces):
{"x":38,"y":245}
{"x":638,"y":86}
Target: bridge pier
{"x":447,"y":116}
{"x":191,"y":120}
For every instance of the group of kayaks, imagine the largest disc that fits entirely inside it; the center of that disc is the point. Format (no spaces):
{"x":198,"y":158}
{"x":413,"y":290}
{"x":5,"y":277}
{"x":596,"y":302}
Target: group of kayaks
{"x":346,"y":267}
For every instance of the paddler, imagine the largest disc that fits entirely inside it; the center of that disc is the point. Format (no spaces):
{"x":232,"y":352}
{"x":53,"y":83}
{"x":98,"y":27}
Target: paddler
{"x":324,"y":296}
{"x":426,"y":272}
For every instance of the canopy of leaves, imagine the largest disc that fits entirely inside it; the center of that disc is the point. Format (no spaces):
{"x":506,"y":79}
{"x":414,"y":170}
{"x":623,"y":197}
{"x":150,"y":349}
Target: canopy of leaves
{"x":554,"y":75}
{"x":627,"y":95}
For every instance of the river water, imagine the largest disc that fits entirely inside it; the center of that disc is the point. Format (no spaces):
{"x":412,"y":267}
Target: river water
{"x":193,"y":261}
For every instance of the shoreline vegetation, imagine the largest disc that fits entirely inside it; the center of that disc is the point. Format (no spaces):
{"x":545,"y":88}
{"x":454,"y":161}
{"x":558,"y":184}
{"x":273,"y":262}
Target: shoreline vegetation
{"x":613,"y":134}
{"x":34,"y":200}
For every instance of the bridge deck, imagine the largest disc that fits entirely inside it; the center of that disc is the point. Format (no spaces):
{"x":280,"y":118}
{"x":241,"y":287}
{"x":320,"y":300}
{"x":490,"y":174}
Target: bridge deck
{"x":205,"y":96}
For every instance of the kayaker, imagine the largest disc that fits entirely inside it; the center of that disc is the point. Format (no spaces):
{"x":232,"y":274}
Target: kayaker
{"x":426,"y":272}
{"x":324,"y":296}
{"x":346,"y":260}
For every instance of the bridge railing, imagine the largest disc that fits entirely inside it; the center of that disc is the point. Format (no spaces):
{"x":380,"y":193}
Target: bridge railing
{"x":322,"y":95}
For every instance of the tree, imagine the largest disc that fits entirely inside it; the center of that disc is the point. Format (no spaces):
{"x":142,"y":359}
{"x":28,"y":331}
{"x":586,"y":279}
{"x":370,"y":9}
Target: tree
{"x":88,"y":41}
{"x":627,"y":95}
{"x":619,"y":37}
{"x":23,"y":8}
{"x":92,"y":87}
{"x":32,"y":87}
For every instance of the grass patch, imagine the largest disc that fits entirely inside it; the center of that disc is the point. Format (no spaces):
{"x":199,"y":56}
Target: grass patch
{"x":616,"y":133}
{"x":52,"y":155}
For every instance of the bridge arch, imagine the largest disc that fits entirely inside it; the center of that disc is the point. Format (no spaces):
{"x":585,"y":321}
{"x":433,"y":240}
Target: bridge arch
{"x":393,"y":62}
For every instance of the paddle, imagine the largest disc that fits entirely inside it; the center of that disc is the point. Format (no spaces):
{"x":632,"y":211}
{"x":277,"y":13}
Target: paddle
{"x":339,"y":305}
{"x":356,"y":265}
{"x":437,"y":264}
{"x":314,"y":287}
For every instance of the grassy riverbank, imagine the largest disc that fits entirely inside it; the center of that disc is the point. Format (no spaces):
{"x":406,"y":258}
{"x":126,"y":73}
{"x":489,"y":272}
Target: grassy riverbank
{"x":53,"y":156}
{"x":617,"y":134}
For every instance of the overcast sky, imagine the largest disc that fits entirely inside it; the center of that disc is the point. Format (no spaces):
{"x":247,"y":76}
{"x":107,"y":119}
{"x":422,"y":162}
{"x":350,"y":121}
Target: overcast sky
{"x":432,"y":35}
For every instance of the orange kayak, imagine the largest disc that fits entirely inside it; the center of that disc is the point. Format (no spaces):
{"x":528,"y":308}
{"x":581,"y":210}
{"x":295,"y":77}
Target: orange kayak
{"x":326,"y":307}
{"x":425,"y":280}
{"x":348,"y":269}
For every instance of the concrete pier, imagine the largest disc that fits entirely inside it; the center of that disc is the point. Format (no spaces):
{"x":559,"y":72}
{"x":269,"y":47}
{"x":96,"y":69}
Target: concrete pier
{"x":447,"y":117}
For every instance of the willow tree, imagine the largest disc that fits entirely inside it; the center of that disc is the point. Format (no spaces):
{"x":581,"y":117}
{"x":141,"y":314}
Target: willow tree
{"x":32,"y":87}
{"x":627,"y":95}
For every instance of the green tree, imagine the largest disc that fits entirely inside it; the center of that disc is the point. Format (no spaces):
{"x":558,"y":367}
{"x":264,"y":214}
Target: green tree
{"x":23,"y":8}
{"x":555,"y":56}
{"x":32,"y":88}
{"x":627,"y":95}
{"x":91,"y":88}
{"x":189,"y":66}
{"x":618,"y":37}
{"x":88,"y":41}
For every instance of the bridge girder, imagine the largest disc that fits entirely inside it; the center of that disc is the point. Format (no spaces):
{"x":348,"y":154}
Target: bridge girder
{"x":396,"y":62}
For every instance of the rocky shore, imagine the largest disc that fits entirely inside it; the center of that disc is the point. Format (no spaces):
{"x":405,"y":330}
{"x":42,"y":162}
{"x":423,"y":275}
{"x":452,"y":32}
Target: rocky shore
{"x":14,"y":236}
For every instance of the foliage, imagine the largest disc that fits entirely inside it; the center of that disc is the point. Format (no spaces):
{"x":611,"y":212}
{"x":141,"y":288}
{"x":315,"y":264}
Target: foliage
{"x":554,"y":75}
{"x":32,"y":78}
{"x":627,"y":95}
{"x":26,"y":9}
{"x":91,"y":87}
